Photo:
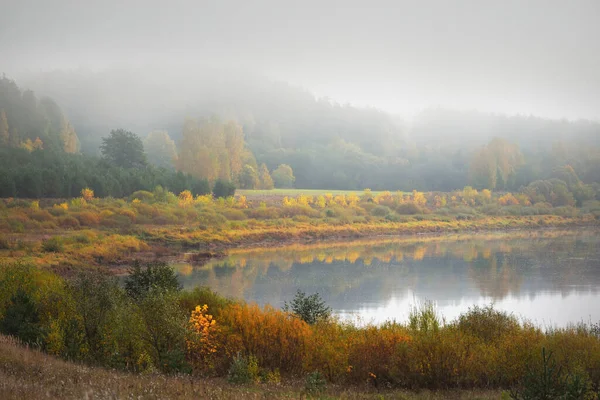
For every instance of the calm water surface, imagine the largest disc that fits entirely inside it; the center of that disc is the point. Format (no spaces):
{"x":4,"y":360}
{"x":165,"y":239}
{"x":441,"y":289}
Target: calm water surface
{"x":551,"y":277}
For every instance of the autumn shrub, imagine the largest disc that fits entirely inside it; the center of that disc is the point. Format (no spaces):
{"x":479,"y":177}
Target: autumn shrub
{"x":487,"y":323}
{"x":576,"y":348}
{"x":435,"y":359}
{"x":189,"y":299}
{"x":380,"y":211}
{"x":408,"y":209}
{"x":263,"y":213}
{"x":129,"y":214}
{"x":116,"y":221}
{"x":277,"y":339}
{"x":41,"y":216}
{"x":373,"y":352}
{"x":233,"y":214}
{"x":165,"y":219}
{"x":88,"y":218}
{"x":146,"y":210}
{"x":546,"y":379}
{"x":329,"y":349}
{"x":53,"y":245}
{"x":142,"y":195}
{"x":211,"y":219}
{"x":68,"y":221}
{"x":294,"y":210}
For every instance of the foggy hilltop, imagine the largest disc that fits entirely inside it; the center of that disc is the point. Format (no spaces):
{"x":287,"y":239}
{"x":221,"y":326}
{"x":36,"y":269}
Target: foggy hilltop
{"x":394,"y":95}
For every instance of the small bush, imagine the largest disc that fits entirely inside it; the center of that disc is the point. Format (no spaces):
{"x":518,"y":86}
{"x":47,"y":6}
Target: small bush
{"x":233,"y":215}
{"x":380,"y":211}
{"x":243,"y":370}
{"x":130,"y":214}
{"x":315,"y":383}
{"x":88,"y":218}
{"x":155,"y":277}
{"x":41,"y":216}
{"x":4,"y":244}
{"x":210,"y":219}
{"x":408,"y":209}
{"x":487,"y":323}
{"x":424,"y":318}
{"x":68,"y":221}
{"x":203,"y":295}
{"x":53,"y":245}
{"x":263,"y":213}
{"x":142,"y":195}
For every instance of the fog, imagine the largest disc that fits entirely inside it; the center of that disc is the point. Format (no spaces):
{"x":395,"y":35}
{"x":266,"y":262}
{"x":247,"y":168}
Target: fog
{"x":538,"y":57}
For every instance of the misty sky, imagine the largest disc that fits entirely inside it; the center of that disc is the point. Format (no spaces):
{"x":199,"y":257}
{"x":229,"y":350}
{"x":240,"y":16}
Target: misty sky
{"x":511,"y":56}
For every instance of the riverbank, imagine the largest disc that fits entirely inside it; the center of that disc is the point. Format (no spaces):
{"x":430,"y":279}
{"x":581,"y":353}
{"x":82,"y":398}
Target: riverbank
{"x":65,"y":251}
{"x":66,"y":236}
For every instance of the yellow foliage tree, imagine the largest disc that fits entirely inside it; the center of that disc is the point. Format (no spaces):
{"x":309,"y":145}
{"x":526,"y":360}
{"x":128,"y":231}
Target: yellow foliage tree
{"x":87,"y":194}
{"x":185,"y":198}
{"x":201,"y":342}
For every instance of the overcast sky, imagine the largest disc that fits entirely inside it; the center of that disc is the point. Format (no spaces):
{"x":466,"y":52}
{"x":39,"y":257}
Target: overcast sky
{"x":512,"y":56}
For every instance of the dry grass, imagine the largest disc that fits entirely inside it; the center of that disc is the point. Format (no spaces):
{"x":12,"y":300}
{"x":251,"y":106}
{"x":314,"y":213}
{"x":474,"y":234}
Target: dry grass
{"x":28,"y":374}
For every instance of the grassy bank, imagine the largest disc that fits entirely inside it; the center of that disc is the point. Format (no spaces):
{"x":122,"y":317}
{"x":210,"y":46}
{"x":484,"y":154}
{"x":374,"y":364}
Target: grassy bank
{"x":67,"y":235}
{"x":26,"y":373}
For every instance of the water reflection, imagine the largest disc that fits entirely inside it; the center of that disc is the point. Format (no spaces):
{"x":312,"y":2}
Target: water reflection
{"x":551,"y":277}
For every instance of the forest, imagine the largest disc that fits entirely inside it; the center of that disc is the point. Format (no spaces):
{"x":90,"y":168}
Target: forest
{"x":260,"y":134}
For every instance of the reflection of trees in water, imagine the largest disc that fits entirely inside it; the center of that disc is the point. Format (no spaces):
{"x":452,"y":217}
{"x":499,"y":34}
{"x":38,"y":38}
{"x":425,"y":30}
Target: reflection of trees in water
{"x":370,"y":273}
{"x":495,"y":276}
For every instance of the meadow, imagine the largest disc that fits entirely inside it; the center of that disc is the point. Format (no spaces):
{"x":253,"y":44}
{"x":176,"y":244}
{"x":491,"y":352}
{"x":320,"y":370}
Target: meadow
{"x":87,"y":231}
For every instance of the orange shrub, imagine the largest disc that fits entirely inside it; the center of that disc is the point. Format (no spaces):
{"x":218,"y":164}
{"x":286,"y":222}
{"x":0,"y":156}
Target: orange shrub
{"x":88,"y":218}
{"x":372,"y":350}
{"x":68,"y":221}
{"x":277,"y":339}
{"x":328,"y":350}
{"x":263,"y":213}
{"x":41,"y":216}
{"x":129,"y":214}
{"x":508,"y":200}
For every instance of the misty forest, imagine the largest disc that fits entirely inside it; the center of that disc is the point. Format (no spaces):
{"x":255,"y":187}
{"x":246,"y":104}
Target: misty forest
{"x":235,"y":201}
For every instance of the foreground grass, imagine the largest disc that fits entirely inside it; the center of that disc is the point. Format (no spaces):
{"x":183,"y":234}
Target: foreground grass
{"x":29,"y":374}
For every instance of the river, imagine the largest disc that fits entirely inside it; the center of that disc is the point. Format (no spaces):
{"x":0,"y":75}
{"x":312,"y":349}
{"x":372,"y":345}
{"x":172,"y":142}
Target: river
{"x":551,"y":278}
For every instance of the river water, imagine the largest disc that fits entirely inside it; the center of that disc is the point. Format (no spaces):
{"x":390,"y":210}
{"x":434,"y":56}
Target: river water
{"x":551,"y":278}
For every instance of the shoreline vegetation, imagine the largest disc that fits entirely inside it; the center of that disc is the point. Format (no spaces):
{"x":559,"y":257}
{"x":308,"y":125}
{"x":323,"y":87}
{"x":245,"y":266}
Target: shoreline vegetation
{"x":66,"y":235}
{"x":150,"y":338}
{"x":59,"y":258}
